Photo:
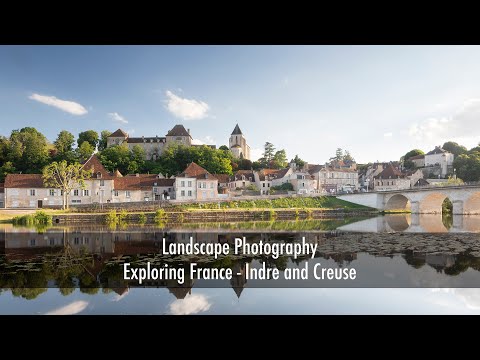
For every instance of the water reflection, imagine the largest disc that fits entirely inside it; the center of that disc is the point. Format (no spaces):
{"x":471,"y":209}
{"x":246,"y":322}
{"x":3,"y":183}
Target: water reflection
{"x":388,"y":251}
{"x":417,"y":223}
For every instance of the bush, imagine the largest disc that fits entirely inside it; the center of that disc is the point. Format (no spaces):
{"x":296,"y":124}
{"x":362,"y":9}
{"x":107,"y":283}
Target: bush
{"x":160,"y":216}
{"x":122,"y":216}
{"x":111,"y":217}
{"x":142,"y":218}
{"x":40,"y":218}
{"x":284,"y":186}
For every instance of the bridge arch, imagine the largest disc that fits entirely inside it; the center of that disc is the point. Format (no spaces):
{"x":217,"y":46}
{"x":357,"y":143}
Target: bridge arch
{"x":398,"y":202}
{"x":472,"y":205}
{"x":432,"y":203}
{"x":398,"y":222}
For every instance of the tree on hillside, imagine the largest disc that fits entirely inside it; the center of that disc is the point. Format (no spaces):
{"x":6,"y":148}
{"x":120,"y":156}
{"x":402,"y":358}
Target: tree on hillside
{"x":299,"y":162}
{"x":64,"y":146}
{"x":268,"y":152}
{"x":338,"y":155}
{"x":5,"y":169}
{"x":348,"y":157}
{"x":468,"y":166}
{"x":61,"y":175}
{"x":89,"y":136}
{"x":102,"y":143}
{"x":455,"y":148}
{"x":412,"y":153}
{"x":84,"y":151}
{"x":28,"y":150}
{"x":116,"y":158}
{"x":279,"y":160}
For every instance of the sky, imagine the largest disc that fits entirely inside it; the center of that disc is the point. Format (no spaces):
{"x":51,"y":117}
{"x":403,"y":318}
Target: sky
{"x":378,"y":102}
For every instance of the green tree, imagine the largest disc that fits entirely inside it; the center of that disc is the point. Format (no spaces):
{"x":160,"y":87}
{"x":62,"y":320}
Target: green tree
{"x":468,"y":166}
{"x":28,"y":150}
{"x":338,"y":155}
{"x":61,"y":175}
{"x":6,"y":168}
{"x":89,"y":136}
{"x":412,"y":153}
{"x":455,"y":148}
{"x":138,"y":155}
{"x":4,"y":149}
{"x":268,"y":152}
{"x":299,"y":162}
{"x":116,"y":158}
{"x":102,"y":144}
{"x":64,"y":146}
{"x":224,"y":148}
{"x":348,"y":157}
{"x":279,"y":160}
{"x":84,"y":151}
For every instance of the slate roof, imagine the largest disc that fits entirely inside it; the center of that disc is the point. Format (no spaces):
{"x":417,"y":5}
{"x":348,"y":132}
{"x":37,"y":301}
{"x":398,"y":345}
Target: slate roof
{"x":178,"y":130}
{"x":237,"y":130}
{"x":118,"y":133}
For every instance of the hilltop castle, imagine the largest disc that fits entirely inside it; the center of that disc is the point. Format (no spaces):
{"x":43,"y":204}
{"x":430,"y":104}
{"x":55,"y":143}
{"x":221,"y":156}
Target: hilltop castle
{"x":154,"y":146}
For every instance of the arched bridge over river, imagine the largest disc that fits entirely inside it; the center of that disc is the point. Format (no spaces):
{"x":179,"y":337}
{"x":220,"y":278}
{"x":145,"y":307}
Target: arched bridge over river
{"x":429,"y":200}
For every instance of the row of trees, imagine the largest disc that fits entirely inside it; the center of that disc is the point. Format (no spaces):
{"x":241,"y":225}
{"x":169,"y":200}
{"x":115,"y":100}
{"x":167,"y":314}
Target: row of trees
{"x":28,"y":151}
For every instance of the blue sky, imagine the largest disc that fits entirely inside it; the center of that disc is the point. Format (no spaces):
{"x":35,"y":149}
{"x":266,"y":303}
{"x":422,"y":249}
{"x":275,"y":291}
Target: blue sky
{"x":376,"y":101}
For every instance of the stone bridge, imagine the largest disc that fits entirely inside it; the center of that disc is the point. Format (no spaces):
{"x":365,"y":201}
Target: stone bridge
{"x":465,"y":199}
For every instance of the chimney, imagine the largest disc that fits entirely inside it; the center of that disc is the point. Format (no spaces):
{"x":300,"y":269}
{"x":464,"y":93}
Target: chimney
{"x":188,"y":130}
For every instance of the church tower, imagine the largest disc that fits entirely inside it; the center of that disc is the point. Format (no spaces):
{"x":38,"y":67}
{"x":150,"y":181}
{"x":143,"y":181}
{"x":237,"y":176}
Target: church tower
{"x":238,"y":144}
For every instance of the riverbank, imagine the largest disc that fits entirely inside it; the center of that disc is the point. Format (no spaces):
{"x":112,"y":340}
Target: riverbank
{"x":223,"y":215}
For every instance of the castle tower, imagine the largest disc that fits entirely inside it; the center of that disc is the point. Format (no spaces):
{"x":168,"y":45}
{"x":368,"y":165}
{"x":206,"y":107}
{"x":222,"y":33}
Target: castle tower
{"x":238,"y":144}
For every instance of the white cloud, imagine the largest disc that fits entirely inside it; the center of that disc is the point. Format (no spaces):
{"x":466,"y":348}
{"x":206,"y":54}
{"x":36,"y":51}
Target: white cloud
{"x":460,"y":125}
{"x":389,"y":134}
{"x":65,"y":105}
{"x":117,"y":117}
{"x":187,"y":109}
{"x":193,"y":304}
{"x":70,"y":309}
{"x":207,"y":140}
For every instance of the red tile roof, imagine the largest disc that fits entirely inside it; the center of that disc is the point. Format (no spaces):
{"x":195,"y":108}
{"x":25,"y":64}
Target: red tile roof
{"x":119,"y":133}
{"x":222,"y":178}
{"x":178,"y":130}
{"x":24,"y":181}
{"x":141,"y":182}
{"x":196,"y":171}
{"x":93,"y":163}
{"x":390,"y":173}
{"x":417,"y":157}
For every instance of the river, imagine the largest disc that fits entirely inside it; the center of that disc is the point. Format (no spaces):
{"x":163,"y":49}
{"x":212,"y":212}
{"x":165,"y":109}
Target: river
{"x":403,"y":264}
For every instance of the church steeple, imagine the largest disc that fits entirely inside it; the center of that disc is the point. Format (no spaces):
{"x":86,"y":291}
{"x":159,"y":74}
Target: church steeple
{"x":237,"y":130}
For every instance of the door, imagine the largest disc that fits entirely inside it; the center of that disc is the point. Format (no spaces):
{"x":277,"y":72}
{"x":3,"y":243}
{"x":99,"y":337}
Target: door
{"x":40,"y":204}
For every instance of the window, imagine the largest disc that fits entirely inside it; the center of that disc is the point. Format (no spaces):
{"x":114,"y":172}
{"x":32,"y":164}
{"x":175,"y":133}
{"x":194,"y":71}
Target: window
{"x":51,"y":192}
{"x":116,"y":237}
{"x":129,"y":237}
{"x":86,"y":240}
{"x":178,"y":138}
{"x":182,"y":193}
{"x":212,"y":194}
{"x":211,"y":185}
{"x":76,"y":201}
{"x":263,"y":184}
{"x":127,"y":193}
{"x":249,"y":178}
{"x":33,"y":242}
{"x":182,"y":184}
{"x":268,"y":185}
{"x":189,"y":192}
{"x":102,"y":182}
{"x":52,"y":242}
{"x":199,"y":185}
{"x":189,"y":184}
{"x":32,"y":192}
{"x":86,"y":192}
{"x":76,"y":241}
{"x":169,"y":189}
{"x":75,"y":192}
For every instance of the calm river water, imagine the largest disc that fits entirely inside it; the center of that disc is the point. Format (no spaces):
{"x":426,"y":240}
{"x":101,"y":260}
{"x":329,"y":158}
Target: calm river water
{"x":403,"y":264}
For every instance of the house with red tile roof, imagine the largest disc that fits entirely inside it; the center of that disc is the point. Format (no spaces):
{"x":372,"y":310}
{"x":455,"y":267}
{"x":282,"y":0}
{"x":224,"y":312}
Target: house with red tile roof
{"x":196,"y":183}
{"x":392,"y":178}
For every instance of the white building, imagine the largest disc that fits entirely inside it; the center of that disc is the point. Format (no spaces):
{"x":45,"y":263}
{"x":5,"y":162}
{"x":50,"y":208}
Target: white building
{"x":442,"y":158}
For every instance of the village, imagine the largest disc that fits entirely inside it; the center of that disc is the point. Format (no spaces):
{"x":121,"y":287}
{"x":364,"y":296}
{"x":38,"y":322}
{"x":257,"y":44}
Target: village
{"x":196,"y":184}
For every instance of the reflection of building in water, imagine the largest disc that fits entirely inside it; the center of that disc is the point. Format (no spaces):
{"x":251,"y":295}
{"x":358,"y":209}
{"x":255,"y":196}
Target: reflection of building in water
{"x":341,"y":258}
{"x":180,"y":290}
{"x":440,"y":261}
{"x":239,"y":277}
